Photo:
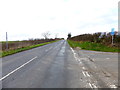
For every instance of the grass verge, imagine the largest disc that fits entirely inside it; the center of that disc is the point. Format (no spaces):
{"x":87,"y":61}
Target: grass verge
{"x":10,"y":52}
{"x":92,"y":46}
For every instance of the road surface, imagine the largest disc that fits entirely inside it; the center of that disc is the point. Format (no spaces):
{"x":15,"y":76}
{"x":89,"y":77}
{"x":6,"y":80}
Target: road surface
{"x":57,"y":65}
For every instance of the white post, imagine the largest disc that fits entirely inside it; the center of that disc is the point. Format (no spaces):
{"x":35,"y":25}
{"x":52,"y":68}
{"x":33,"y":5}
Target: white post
{"x":6,"y":41}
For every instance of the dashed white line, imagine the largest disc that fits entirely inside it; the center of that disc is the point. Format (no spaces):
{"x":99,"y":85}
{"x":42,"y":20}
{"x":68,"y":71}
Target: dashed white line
{"x":87,"y":74}
{"x":74,"y":54}
{"x":77,"y":59}
{"x":84,"y":73}
{"x":72,"y":49}
{"x":113,"y":86}
{"x":17,"y":69}
{"x":80,"y":62}
{"x":90,"y":85}
{"x":94,"y":86}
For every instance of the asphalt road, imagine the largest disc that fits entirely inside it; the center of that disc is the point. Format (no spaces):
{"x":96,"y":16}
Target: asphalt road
{"x":56,"y":65}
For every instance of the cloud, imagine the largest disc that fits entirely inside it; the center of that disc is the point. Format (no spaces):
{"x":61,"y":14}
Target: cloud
{"x":24,"y":19}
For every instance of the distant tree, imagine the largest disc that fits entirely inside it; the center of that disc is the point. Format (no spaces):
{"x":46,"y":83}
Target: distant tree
{"x":69,"y":35}
{"x":46,"y":34}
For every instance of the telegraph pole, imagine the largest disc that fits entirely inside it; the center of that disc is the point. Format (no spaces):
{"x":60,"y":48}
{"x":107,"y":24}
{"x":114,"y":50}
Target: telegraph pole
{"x":6,"y":41}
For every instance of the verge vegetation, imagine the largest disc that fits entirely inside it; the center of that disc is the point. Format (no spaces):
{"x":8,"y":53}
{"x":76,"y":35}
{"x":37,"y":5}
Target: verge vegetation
{"x":99,"y":41}
{"x":92,"y":46}
{"x":19,"y":49}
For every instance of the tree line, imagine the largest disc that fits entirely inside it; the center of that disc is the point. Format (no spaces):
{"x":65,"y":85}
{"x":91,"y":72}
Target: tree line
{"x":99,"y":37}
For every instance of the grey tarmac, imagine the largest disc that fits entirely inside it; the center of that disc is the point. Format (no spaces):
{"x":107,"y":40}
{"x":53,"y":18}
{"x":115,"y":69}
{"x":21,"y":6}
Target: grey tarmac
{"x":57,"y":65}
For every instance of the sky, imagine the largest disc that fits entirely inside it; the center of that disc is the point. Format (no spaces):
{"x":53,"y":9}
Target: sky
{"x":25,"y":19}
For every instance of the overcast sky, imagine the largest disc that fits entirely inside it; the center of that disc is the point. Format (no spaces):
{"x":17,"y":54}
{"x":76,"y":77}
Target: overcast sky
{"x":24,"y":19}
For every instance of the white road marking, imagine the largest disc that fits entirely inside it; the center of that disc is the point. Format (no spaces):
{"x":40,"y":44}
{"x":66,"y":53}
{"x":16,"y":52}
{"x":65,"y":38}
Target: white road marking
{"x":90,"y":85}
{"x":80,"y":62}
{"x":72,"y":49}
{"x":94,"y":86}
{"x":87,"y":74}
{"x":84,"y":73}
{"x":113,"y":86}
{"x":77,"y":59}
{"x":17,"y":69}
{"x":74,"y":54}
{"x":83,"y":68}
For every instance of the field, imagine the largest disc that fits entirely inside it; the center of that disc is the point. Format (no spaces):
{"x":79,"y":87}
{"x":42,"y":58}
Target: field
{"x":18,"y":46}
{"x":21,"y":44}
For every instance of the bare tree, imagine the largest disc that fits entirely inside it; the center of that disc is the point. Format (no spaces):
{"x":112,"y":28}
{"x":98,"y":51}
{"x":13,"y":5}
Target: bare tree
{"x":46,"y":34}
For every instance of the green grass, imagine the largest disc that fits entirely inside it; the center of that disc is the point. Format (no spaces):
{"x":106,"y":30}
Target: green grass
{"x":6,"y":53}
{"x":92,"y":46}
{"x":10,"y":41}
